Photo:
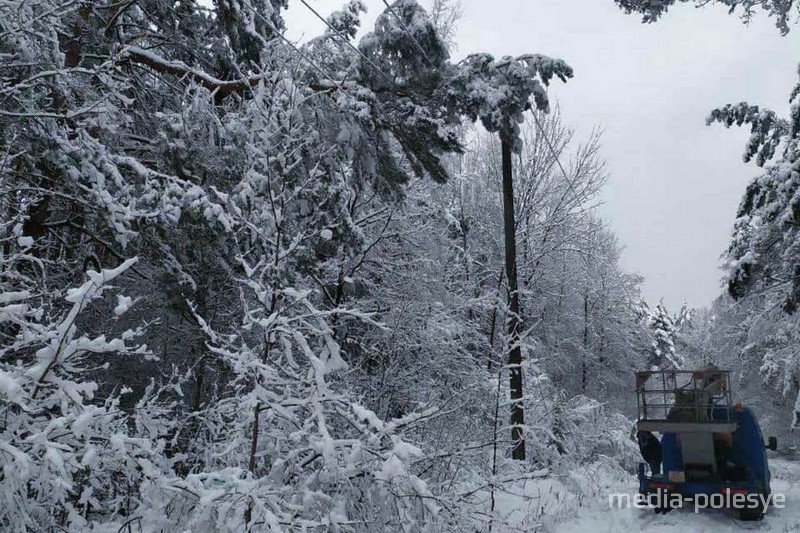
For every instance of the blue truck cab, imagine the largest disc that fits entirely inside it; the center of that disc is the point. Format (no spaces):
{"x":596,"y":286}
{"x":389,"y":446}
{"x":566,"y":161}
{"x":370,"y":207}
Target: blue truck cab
{"x":707,"y":445}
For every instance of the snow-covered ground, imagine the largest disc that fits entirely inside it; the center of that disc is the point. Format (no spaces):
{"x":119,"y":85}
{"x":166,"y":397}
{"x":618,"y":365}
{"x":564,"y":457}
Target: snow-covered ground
{"x":578,"y":503}
{"x":596,"y":515}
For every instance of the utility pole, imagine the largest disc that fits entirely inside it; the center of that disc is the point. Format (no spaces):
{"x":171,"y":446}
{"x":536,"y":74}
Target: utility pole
{"x":515,"y":353}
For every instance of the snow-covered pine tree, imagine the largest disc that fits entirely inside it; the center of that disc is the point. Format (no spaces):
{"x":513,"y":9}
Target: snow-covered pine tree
{"x":763,"y":258}
{"x":652,"y":10}
{"x":498,"y":93}
{"x":767,"y":213}
{"x":692,"y":329}
{"x":663,"y":354}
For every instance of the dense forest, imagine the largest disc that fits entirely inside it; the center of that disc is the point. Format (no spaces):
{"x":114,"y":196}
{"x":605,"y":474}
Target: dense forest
{"x":248,"y":284}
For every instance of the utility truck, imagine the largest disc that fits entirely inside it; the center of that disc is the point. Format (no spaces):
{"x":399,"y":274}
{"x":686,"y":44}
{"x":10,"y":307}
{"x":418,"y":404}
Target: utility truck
{"x":695,"y":442}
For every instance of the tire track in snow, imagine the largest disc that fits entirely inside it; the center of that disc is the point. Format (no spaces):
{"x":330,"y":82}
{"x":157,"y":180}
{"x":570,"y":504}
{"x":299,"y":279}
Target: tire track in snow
{"x":597,"y":516}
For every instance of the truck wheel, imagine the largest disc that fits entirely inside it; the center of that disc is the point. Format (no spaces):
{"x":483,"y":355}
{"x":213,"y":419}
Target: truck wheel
{"x":751,"y":514}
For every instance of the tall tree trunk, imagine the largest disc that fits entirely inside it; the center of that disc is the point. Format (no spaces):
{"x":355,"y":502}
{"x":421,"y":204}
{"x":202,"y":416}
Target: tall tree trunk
{"x":515,"y":353}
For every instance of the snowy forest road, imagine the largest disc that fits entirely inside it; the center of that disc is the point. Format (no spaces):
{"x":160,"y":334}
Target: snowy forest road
{"x":595,"y":514}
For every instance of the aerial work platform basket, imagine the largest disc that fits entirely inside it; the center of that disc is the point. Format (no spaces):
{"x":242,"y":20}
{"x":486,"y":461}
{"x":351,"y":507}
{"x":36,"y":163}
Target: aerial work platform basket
{"x":680,"y":401}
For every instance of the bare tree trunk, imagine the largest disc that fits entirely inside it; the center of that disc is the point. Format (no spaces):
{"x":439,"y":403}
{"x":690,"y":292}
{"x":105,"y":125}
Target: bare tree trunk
{"x":515,"y":353}
{"x":584,"y":376}
{"x":494,"y":447}
{"x":494,"y":327}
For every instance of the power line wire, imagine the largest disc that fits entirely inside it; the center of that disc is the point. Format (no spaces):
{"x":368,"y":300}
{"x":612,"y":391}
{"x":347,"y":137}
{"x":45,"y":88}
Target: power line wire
{"x":300,"y":52}
{"x":408,"y":32}
{"x":346,"y":41}
{"x":555,"y":154}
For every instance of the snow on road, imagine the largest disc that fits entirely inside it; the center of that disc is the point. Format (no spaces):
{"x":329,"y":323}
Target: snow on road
{"x":594,"y":513}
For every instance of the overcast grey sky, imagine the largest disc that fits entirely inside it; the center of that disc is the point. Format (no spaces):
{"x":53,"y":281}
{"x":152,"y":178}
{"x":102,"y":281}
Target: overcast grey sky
{"x":675,"y":183}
